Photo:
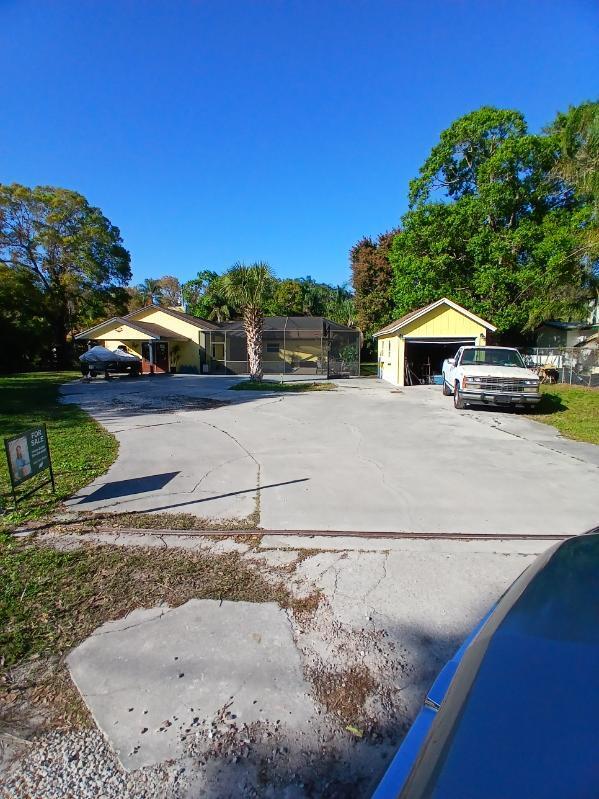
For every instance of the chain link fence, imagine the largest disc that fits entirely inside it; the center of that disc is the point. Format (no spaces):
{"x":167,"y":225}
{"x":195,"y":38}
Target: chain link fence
{"x":578,"y":366}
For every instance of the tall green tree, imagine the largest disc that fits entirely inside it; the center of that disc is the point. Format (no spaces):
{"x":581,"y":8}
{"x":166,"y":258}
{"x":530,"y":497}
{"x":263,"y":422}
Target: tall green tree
{"x":577,"y":134}
{"x":205,"y":296}
{"x":24,"y":331}
{"x":73,"y":254}
{"x":287,"y":298}
{"x":170,"y":291}
{"x":372,"y":279}
{"x":250,"y":288}
{"x":491,"y":226}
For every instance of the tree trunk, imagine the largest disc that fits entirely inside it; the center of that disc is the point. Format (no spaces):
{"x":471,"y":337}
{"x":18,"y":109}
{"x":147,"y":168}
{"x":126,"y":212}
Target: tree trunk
{"x":60,"y":329}
{"x":253,"y":322}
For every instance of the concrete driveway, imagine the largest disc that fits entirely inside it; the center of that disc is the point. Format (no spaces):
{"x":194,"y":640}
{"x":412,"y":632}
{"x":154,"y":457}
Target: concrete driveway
{"x":363,"y":458}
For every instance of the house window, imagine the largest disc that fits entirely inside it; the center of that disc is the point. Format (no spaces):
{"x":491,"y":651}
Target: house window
{"x":272,"y":348}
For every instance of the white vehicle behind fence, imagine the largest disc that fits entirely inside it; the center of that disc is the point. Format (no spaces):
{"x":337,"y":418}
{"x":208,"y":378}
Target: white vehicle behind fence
{"x":490,"y":376}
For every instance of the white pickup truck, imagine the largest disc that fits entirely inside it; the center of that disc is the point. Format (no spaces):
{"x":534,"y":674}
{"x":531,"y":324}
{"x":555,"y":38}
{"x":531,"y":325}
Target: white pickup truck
{"x":489,"y":376}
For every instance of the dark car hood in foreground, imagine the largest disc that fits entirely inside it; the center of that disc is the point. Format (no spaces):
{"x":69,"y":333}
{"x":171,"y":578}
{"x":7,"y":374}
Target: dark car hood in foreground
{"x":521,"y":716}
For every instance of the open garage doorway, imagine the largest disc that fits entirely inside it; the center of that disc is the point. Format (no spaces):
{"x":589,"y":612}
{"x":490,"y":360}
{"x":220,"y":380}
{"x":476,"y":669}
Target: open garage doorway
{"x":424,"y":358}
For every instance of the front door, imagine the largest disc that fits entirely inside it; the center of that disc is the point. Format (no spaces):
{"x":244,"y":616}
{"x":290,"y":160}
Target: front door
{"x":160,"y":357}
{"x":154,"y":357}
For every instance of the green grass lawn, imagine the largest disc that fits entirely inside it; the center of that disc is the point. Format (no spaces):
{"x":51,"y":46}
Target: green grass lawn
{"x":80,"y":449}
{"x":273,"y":385}
{"x":368,"y":369}
{"x":50,"y":601}
{"x":573,"y":410}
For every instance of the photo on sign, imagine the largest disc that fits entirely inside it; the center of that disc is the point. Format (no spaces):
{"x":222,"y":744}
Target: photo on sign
{"x":20,"y":462}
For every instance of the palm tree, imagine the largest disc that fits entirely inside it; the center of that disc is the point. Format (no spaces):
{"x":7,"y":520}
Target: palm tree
{"x":222,"y":309}
{"x":248,"y":288}
{"x":150,"y":291}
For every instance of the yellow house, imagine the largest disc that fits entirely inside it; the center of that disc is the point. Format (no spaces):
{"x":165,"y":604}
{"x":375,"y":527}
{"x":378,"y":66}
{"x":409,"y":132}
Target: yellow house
{"x":163,"y":338}
{"x":412,"y":349}
{"x":168,"y":340}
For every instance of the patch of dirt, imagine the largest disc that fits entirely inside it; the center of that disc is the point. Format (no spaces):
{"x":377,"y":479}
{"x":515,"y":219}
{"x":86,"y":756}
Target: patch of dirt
{"x":344,"y":691}
{"x":167,"y":403}
{"x":88,"y":521}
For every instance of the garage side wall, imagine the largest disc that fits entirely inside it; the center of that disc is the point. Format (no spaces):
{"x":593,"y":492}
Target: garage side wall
{"x":391,"y":359}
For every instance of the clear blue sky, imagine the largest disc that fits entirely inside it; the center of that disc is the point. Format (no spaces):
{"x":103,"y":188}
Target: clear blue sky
{"x":282,"y":130}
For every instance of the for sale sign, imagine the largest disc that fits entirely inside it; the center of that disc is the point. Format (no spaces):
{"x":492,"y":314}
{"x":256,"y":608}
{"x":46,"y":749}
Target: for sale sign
{"x":28,"y":454}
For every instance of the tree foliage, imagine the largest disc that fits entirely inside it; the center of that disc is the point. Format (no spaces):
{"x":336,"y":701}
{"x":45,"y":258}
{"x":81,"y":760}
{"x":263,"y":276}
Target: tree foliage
{"x":63,"y":252}
{"x":205,"y":296}
{"x":372,"y":282}
{"x":577,"y":133}
{"x":491,"y":226}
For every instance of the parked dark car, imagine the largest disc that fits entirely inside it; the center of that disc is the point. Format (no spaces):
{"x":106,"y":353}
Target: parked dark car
{"x":515,"y":713}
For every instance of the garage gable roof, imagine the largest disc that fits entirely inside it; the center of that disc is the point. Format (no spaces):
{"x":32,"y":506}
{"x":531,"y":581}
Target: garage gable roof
{"x":399,"y":324}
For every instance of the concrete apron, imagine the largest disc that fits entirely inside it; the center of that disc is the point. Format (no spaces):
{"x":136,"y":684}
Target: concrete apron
{"x":158,"y":676}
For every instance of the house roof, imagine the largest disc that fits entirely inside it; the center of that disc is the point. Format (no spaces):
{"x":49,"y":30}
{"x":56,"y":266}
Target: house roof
{"x":196,"y":321}
{"x":403,"y":321}
{"x":559,"y":325}
{"x":157,"y":331}
{"x":314,"y":324}
{"x":307,"y":324}
{"x":149,"y":328}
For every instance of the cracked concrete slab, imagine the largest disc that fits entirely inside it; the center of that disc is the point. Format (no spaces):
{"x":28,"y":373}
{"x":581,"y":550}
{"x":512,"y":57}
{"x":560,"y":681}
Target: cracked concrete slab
{"x":159,"y":675}
{"x":362,"y":458}
{"x":426,"y":601}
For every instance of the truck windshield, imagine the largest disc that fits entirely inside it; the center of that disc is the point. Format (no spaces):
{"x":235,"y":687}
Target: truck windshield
{"x":491,"y":356}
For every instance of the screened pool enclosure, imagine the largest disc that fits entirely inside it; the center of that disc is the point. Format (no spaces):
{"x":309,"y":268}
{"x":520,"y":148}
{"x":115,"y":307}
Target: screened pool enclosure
{"x":309,"y":345}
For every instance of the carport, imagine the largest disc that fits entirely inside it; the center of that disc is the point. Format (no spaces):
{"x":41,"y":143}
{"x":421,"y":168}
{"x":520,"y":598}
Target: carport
{"x":412,"y":349}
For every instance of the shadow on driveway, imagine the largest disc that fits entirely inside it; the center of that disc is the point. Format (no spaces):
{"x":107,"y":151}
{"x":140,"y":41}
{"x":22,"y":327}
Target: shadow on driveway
{"x":135,"y":485}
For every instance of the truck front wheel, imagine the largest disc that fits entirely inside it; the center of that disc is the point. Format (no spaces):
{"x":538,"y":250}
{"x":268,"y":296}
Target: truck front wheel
{"x":458,"y":402}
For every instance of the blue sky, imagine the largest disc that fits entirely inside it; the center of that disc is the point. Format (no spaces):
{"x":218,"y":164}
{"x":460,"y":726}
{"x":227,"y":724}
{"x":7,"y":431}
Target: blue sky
{"x":281,"y":130}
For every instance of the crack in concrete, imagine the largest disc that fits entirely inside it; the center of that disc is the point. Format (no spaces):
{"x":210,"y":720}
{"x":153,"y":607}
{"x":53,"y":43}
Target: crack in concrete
{"x":496,"y":425}
{"x":252,"y":457}
{"x":144,"y":426}
{"x":163,"y":613}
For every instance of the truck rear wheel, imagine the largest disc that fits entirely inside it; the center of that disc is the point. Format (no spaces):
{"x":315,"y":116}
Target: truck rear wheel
{"x":458,"y":402}
{"x":446,"y":389}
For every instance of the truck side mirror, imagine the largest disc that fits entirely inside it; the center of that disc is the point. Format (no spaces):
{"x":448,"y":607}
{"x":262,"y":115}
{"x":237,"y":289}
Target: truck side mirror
{"x":451,"y":361}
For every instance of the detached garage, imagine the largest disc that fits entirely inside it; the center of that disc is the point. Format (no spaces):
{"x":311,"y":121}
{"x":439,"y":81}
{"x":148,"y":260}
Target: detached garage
{"x":412,"y":349}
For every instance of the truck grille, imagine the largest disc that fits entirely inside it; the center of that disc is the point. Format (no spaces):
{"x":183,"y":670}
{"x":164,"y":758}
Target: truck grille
{"x":504,"y":384}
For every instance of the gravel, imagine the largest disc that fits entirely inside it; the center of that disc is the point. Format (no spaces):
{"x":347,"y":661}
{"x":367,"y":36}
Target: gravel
{"x":80,"y":765}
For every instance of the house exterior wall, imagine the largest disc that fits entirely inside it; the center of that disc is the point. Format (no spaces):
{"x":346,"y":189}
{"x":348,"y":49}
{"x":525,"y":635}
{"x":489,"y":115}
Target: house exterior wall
{"x":122,"y":334}
{"x":549,"y":336}
{"x":442,"y":322}
{"x":185,"y":355}
{"x":112,"y":344}
{"x":178,"y":326}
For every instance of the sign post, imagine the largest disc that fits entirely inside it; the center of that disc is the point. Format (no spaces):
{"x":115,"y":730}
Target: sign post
{"x":28,"y":454}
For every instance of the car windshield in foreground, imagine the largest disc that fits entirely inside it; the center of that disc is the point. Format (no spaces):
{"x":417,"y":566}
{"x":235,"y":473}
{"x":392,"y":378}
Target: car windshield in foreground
{"x":491,"y":356}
